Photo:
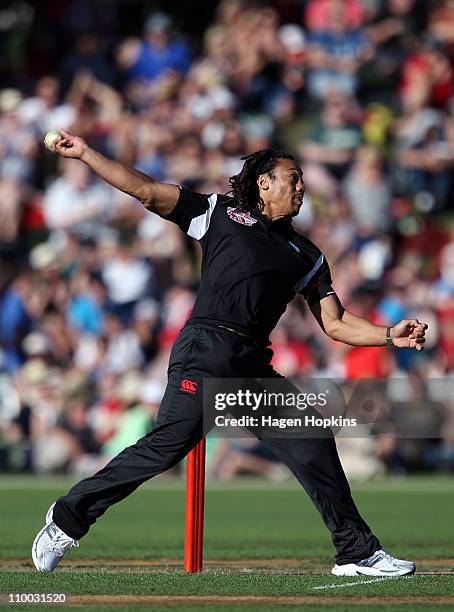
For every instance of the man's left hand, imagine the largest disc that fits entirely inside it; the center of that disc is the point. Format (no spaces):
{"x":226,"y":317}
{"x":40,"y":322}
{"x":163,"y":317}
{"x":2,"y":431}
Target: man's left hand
{"x":409,"y":333}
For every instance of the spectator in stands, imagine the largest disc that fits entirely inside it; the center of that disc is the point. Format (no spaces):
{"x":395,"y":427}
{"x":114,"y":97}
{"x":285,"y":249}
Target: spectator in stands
{"x":87,"y":56}
{"x":75,"y":202}
{"x":128,"y":279}
{"x":16,"y":321}
{"x":159,"y":55}
{"x":44,"y":111}
{"x":335,"y":54}
{"x":367,"y":182}
{"x":425,"y":156}
{"x":18,"y":149}
{"x":85,"y":307}
{"x":329,"y":146}
{"x":427,"y":78}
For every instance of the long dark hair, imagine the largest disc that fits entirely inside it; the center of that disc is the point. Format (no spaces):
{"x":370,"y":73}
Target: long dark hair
{"x":244,"y":187}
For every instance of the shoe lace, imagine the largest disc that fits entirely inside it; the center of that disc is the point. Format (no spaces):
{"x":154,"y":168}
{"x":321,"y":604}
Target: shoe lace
{"x":60,"y":543}
{"x":388,"y":556}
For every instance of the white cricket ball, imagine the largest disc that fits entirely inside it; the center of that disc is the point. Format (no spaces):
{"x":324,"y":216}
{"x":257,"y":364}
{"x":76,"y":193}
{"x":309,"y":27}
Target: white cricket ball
{"x":50,"y":139}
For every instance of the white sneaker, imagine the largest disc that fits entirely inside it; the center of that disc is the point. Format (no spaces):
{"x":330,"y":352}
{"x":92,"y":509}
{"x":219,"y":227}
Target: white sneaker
{"x":381,"y":563}
{"x":50,"y":545}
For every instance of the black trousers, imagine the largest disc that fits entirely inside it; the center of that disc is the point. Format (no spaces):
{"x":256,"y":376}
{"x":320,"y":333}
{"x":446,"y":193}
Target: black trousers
{"x":203,"y":351}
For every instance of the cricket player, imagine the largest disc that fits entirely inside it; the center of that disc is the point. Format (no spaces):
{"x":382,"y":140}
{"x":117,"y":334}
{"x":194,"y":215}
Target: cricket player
{"x":253,"y":265}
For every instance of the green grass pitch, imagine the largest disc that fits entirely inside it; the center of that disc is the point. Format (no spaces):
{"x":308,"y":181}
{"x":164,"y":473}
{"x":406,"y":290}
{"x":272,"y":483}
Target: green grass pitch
{"x":265,"y":548}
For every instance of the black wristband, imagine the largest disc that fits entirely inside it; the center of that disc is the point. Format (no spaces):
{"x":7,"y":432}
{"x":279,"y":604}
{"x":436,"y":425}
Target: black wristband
{"x":389,"y":341}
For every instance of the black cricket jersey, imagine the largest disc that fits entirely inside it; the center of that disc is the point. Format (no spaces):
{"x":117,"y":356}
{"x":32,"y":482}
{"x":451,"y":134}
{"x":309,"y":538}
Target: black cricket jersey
{"x":251,"y":267}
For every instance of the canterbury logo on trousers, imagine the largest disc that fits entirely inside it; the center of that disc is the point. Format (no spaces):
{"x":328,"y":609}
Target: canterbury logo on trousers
{"x":190,"y":386}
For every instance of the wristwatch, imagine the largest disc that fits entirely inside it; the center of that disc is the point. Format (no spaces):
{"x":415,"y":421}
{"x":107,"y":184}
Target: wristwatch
{"x":389,"y":340}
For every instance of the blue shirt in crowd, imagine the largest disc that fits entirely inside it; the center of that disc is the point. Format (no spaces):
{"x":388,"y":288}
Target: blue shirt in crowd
{"x":154,"y":60}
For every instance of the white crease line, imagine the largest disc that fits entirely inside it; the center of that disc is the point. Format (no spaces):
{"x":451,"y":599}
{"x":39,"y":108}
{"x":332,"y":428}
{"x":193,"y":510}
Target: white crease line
{"x":346,"y":584}
{"x":381,"y":579}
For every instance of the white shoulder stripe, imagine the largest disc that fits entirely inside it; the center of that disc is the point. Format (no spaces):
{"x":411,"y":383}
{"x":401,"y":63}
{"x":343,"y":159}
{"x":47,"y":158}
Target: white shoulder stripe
{"x":199,"y":225}
{"x":308,"y":277}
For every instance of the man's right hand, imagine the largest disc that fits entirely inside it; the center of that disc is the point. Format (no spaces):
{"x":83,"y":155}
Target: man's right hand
{"x":70,"y":146}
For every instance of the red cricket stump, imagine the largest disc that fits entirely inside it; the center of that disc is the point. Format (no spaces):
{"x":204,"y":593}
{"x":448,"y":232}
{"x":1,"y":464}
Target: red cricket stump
{"x":195,"y":495}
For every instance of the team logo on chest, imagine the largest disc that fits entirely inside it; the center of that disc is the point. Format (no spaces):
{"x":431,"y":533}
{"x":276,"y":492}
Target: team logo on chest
{"x":240,"y":216}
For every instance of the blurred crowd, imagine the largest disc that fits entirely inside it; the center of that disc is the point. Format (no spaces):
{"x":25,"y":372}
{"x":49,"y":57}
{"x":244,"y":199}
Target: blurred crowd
{"x":94,"y":290}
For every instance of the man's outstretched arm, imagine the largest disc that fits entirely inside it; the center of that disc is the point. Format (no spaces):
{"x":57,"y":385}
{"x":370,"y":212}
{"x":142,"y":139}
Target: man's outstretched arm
{"x":341,"y":325}
{"x":157,"y":197}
